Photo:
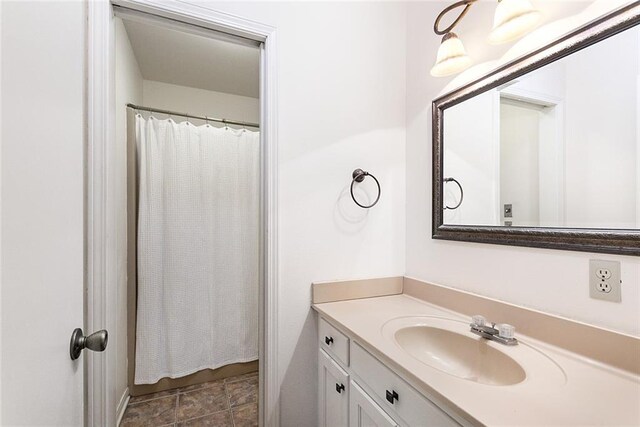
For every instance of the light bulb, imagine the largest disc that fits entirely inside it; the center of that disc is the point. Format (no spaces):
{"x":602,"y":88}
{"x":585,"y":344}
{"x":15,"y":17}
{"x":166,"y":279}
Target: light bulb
{"x":512,"y":20}
{"x":451,"y":58}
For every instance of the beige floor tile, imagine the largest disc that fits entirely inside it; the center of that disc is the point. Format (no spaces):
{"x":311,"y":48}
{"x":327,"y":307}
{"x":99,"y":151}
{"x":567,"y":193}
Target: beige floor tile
{"x":243,"y":391}
{"x":218,"y":419}
{"x":202,"y":402}
{"x":156,"y":412}
{"x":199,"y":386}
{"x":245,"y":415}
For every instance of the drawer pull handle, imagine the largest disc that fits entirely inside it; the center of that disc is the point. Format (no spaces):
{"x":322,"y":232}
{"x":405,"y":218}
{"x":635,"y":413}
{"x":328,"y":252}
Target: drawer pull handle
{"x":328,"y":340}
{"x":392,"y":396}
{"x":339,"y":387}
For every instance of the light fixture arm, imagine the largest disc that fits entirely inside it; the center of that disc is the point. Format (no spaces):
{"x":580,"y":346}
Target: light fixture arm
{"x":466,"y":3}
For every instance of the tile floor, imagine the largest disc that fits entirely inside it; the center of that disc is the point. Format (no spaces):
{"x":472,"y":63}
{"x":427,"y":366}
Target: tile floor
{"x":232,"y":402}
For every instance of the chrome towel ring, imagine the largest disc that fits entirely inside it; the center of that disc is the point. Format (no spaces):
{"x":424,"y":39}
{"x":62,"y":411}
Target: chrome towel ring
{"x":461,"y":193}
{"x":358,"y":176}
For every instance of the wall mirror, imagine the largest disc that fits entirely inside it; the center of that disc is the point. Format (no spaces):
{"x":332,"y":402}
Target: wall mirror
{"x":545,"y":151}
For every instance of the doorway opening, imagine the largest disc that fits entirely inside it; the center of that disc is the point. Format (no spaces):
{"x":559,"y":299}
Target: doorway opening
{"x":531,"y":162}
{"x":192,"y":235}
{"x":174,"y":199}
{"x":187,"y":131}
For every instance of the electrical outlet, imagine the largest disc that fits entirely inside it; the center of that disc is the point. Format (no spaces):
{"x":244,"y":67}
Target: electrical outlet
{"x":603,"y":273}
{"x":604,"y":280}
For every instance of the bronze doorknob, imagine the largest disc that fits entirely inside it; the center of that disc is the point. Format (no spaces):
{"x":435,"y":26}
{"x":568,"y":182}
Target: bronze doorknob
{"x":97,"y":341}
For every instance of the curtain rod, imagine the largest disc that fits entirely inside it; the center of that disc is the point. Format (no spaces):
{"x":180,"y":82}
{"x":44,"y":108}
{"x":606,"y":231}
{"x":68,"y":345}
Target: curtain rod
{"x":206,"y":119}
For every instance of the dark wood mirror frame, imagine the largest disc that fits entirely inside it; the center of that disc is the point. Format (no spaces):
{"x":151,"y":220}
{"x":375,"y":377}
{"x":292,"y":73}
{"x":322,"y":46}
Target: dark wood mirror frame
{"x":626,"y":242}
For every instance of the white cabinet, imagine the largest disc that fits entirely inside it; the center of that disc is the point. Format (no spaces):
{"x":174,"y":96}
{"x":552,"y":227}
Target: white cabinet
{"x":357,"y":390}
{"x":333,"y":393}
{"x":364,"y":412}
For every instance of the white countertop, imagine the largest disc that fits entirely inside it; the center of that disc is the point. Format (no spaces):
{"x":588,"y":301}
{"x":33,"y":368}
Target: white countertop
{"x":593,"y":393}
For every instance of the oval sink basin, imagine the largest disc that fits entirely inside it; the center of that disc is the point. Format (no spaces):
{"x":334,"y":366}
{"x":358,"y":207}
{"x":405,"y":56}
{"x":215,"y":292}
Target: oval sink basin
{"x":459,"y":355}
{"x":448,"y":346}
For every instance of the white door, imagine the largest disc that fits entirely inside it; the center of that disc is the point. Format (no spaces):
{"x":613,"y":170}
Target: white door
{"x":42,"y":211}
{"x":364,"y":412}
{"x":333,"y":393}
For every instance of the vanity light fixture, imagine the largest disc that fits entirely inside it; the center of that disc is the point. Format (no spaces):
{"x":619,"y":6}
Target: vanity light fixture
{"x":451,"y":58}
{"x":513,"y":19}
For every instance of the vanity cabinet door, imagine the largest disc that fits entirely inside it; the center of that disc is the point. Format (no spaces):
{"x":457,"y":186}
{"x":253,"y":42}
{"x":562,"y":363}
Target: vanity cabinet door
{"x":364,"y":412}
{"x":333,"y":394}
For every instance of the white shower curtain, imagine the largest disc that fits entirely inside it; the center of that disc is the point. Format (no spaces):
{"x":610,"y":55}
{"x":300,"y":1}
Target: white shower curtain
{"x":198,"y":248}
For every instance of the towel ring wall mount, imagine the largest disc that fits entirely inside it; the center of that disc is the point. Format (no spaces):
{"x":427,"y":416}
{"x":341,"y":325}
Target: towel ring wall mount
{"x":359,"y":175}
{"x":461,"y":193}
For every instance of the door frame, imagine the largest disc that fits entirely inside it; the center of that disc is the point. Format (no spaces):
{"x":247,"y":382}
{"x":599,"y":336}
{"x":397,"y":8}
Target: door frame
{"x":100,"y":211}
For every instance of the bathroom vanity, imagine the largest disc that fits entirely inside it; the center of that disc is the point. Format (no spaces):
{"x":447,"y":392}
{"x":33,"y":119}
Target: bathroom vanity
{"x":357,"y":389}
{"x":396,"y":359}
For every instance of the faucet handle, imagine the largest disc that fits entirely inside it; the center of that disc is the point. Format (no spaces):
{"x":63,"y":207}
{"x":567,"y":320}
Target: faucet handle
{"x":478,"y":320}
{"x":506,"y":331}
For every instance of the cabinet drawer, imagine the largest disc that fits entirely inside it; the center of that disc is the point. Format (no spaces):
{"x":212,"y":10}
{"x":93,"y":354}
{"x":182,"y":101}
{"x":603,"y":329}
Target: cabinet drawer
{"x":334,"y":342}
{"x":395,"y":393}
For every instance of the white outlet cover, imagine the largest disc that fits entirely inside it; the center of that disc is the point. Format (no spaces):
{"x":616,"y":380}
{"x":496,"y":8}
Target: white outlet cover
{"x":605,"y":286}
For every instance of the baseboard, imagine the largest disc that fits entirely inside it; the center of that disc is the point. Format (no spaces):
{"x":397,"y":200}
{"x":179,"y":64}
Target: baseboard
{"x":122,"y":405}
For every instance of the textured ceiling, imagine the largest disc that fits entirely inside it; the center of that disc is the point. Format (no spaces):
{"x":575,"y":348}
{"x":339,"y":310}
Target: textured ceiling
{"x":185,"y":59}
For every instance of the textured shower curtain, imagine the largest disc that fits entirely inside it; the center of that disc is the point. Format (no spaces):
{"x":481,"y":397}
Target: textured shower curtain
{"x":198,"y":248}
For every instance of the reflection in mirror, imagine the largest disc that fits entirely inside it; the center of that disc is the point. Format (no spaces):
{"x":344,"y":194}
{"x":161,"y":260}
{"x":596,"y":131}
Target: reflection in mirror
{"x":557,"y":147}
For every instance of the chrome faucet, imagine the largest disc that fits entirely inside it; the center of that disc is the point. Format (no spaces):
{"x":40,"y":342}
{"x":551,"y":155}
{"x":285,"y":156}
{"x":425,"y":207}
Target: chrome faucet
{"x":503,"y":333}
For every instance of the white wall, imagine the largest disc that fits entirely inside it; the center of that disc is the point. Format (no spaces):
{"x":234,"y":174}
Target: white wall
{"x":601,"y":133}
{"x":341,"y":105}
{"x":472,"y":158}
{"x":42,"y":46}
{"x":200,"y":102}
{"x":128,"y":90}
{"x":549,"y":280}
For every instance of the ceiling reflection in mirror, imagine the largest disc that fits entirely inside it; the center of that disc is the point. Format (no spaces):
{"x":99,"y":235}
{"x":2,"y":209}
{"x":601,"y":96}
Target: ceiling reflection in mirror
{"x":557,"y":147}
